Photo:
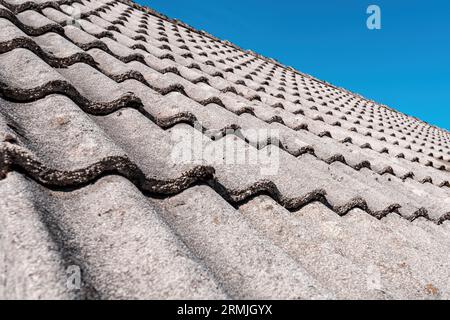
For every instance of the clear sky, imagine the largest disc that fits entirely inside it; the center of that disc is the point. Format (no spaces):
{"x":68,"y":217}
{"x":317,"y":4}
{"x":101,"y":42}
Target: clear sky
{"x":405,"y":65}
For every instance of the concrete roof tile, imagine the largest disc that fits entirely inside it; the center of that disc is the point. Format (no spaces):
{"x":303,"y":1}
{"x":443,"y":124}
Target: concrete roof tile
{"x":130,"y":141}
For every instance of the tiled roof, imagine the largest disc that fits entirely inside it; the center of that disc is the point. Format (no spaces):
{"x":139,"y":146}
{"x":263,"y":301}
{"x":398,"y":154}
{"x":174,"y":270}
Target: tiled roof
{"x":356,"y":202}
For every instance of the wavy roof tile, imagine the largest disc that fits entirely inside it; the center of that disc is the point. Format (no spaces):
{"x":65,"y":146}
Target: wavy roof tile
{"x":347,"y":198}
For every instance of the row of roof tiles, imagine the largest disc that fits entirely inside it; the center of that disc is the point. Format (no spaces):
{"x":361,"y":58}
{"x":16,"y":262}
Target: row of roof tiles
{"x":105,"y":92}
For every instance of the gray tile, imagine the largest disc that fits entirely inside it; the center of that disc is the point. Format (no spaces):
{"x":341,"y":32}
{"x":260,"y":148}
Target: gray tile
{"x":110,"y":231}
{"x":122,"y":120}
{"x":247,"y":264}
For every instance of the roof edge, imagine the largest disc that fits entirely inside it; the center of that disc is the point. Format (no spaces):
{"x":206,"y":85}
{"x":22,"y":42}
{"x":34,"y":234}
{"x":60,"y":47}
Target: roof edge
{"x":271,"y":60}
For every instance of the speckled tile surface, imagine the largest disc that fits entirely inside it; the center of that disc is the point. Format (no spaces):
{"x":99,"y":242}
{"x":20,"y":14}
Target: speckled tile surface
{"x":292,"y":189}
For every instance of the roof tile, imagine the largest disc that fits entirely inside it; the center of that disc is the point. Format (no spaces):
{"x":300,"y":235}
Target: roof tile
{"x":130,"y":141}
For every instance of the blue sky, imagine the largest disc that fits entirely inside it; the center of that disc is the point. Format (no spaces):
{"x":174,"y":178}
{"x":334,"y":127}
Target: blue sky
{"x":405,"y":65}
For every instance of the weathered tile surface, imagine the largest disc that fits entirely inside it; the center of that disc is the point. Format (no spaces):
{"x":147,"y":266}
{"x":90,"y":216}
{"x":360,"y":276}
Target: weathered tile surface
{"x":162,"y":162}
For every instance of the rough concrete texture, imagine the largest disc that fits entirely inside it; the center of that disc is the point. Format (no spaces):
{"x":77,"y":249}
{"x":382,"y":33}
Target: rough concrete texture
{"x":143,"y":159}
